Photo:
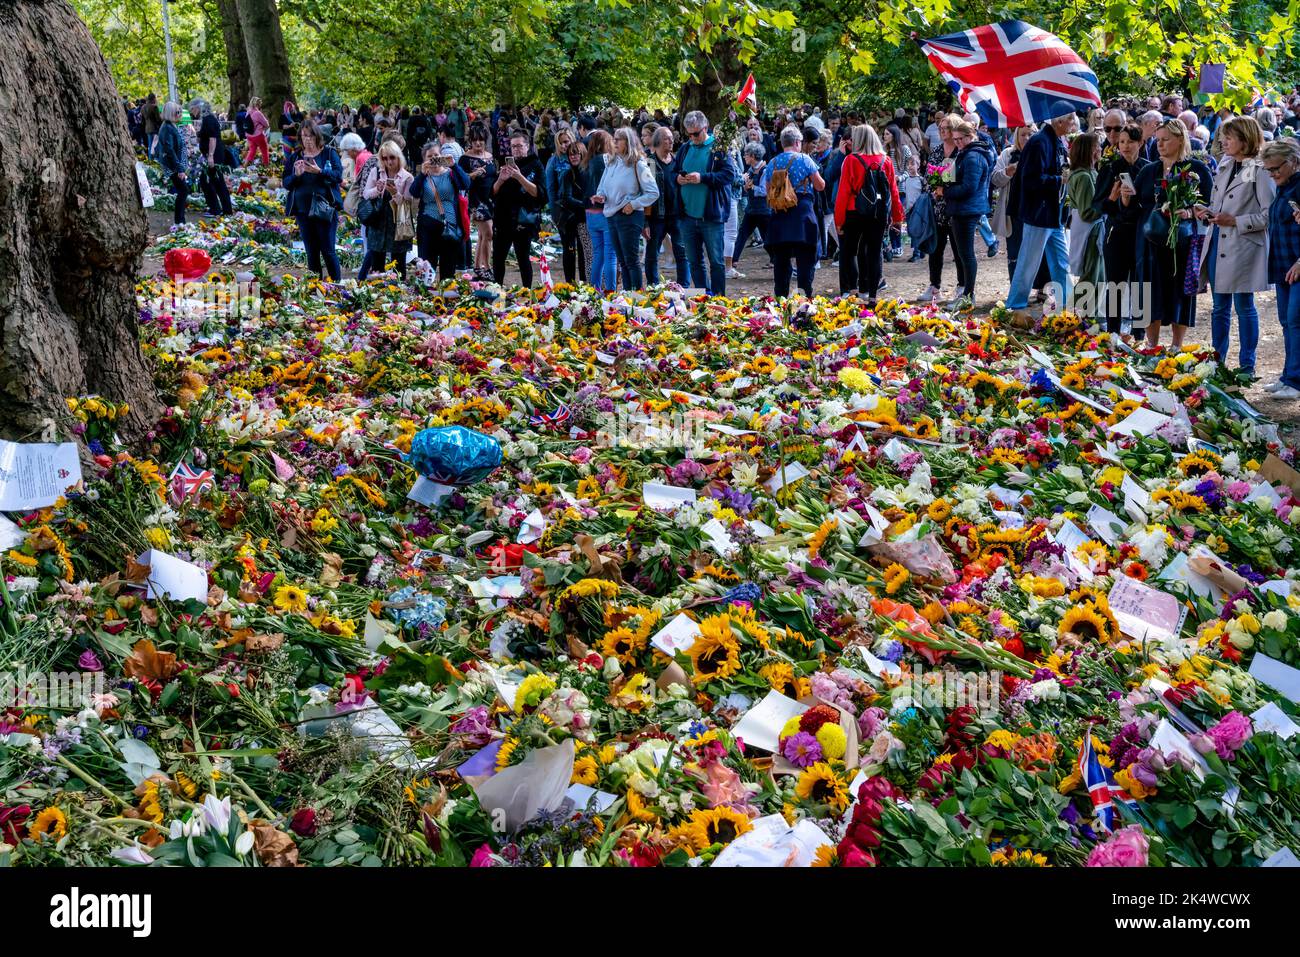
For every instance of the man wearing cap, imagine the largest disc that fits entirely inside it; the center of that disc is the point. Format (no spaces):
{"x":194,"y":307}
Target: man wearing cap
{"x":1040,"y":209}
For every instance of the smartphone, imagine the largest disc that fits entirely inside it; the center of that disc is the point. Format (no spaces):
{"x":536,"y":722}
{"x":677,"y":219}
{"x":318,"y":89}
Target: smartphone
{"x":1294,"y":205}
{"x":1126,"y":180}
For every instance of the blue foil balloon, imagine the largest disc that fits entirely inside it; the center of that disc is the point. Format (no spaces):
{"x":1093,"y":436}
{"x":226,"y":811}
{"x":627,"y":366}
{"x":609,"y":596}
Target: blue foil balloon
{"x":454,"y":455}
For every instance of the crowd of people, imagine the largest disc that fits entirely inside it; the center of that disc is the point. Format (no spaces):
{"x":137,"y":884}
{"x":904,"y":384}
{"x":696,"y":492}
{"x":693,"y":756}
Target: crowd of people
{"x":1142,"y":204}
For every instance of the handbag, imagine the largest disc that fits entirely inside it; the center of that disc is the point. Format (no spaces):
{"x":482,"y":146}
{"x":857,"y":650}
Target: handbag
{"x":322,"y":209}
{"x":372,"y":212}
{"x":404,"y":230}
{"x":1156,"y":227}
{"x":1192,"y":277}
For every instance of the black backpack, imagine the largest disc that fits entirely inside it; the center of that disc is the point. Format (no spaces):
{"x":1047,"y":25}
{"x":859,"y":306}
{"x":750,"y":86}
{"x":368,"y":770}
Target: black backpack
{"x":872,"y":199}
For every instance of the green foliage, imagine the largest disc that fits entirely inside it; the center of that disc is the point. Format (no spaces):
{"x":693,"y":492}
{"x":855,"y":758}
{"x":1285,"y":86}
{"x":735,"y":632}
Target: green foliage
{"x":581,"y":52}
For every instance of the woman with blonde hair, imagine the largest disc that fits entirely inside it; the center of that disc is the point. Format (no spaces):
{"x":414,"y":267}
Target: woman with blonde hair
{"x":626,"y":188}
{"x":1236,"y":247}
{"x":387,"y":183}
{"x":1164,"y":267}
{"x":866,"y":202}
{"x":600,"y":145}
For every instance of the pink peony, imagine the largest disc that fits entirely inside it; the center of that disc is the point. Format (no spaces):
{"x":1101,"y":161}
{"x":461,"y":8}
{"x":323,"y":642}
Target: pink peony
{"x":1127,"y":847}
{"x":482,"y":857}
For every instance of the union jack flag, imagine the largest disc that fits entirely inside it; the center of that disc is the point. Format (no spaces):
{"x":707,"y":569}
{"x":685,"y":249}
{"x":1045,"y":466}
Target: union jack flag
{"x":551,"y":420}
{"x":1101,"y":786}
{"x":187,"y":483}
{"x":1011,"y":73}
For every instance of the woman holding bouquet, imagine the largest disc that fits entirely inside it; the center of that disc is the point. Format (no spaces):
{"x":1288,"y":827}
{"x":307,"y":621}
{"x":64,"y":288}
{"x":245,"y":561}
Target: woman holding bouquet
{"x":1123,"y":221}
{"x":941,"y":160}
{"x":1167,"y":192}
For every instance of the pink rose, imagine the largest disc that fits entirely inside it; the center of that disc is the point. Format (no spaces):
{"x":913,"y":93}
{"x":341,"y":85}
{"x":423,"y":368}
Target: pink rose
{"x":1127,"y":847}
{"x":1230,"y":734}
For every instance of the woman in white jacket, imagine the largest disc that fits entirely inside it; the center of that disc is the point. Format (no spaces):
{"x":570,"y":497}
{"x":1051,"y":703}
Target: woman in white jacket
{"x":1235,"y":265}
{"x":626,"y":188}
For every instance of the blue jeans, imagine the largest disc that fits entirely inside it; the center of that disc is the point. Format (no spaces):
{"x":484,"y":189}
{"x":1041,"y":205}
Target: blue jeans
{"x":602,"y":252}
{"x":625,"y":231}
{"x":986,"y":231}
{"x":1036,"y":241}
{"x":659,"y":228}
{"x":1247,"y":321}
{"x":1288,"y":313}
{"x":701,"y":236}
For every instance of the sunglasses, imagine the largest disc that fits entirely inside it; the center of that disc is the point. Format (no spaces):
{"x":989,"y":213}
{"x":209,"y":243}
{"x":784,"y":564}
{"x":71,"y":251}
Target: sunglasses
{"x":1112,"y":129}
{"x":1278,"y":168}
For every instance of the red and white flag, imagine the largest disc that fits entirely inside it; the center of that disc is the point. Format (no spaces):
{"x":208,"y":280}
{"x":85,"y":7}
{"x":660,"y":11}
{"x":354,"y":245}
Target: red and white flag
{"x":749,"y":93}
{"x":544,"y":267}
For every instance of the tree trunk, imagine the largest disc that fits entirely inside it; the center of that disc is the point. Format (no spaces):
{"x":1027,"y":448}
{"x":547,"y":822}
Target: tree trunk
{"x":720,"y":74}
{"x":268,"y":63}
{"x":236,"y":56}
{"x":439,"y":94}
{"x":72,"y":227}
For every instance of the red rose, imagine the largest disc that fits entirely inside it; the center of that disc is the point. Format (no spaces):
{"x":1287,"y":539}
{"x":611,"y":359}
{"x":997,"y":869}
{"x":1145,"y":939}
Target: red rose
{"x":852,"y":856}
{"x":12,"y":820}
{"x":303,"y":822}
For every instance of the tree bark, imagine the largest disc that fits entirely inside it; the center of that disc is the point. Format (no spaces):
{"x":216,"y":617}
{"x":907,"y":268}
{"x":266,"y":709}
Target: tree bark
{"x":72,"y":227}
{"x":236,"y":56}
{"x":719,"y":73}
{"x":268,"y":63}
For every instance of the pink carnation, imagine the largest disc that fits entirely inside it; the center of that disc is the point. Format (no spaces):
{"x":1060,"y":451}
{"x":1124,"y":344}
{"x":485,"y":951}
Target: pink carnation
{"x":1230,"y":734}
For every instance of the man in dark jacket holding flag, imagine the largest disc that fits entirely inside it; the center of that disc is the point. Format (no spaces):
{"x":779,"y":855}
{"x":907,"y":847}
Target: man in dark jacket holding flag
{"x":1040,"y":209}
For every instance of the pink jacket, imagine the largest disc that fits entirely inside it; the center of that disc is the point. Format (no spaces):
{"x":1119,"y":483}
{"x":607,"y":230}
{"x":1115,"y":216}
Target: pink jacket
{"x":260,"y":124}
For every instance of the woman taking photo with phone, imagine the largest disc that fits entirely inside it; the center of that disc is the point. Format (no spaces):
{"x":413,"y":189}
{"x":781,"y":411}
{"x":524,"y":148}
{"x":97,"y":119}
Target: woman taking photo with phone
{"x":387,"y":186}
{"x":1115,"y":181}
{"x":1236,"y":247}
{"x":480,"y":169}
{"x":437,"y":188}
{"x":312,"y":177}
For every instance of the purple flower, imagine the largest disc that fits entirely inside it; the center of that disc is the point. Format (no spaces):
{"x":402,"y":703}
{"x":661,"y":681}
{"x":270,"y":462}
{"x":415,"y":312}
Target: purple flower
{"x":474,"y":723}
{"x":1230,"y":734}
{"x":89,"y":662}
{"x":801,"y":749}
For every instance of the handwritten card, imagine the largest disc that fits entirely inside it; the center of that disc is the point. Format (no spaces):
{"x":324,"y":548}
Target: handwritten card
{"x":792,"y":473}
{"x":1272,"y":718}
{"x":1106,"y":523}
{"x":1144,"y":613}
{"x":1140,"y":422}
{"x":428,"y":492}
{"x":1277,"y":675}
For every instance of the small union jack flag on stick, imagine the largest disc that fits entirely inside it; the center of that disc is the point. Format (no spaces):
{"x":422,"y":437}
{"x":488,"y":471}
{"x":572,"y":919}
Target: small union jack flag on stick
{"x":551,"y":420}
{"x":186,"y":482}
{"x":1101,"y":785}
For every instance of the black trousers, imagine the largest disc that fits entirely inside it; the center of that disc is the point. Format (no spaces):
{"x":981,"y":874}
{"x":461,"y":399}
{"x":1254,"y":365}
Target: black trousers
{"x":571,"y":252}
{"x":963,"y":250}
{"x":521,"y":241}
{"x":316,"y":237}
{"x":215,"y":192}
{"x":182,"y":187}
{"x":436,"y":248}
{"x":861,"y":252}
{"x":1120,"y":254}
{"x":805,"y":258}
{"x":942,"y":238}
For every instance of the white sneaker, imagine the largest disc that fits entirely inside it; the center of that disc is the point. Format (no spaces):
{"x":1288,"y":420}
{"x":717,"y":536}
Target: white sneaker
{"x":1275,"y":385}
{"x":734,"y":273}
{"x":1286,"y":392}
{"x":932,"y":293}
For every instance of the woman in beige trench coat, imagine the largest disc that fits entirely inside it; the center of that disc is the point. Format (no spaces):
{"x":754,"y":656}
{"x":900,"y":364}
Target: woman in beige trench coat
{"x":1235,"y":266}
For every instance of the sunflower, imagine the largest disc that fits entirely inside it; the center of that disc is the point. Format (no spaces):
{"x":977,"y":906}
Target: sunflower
{"x":721,"y":825}
{"x":822,"y":785}
{"x":716,"y":652}
{"x":827,"y":856}
{"x":584,"y":770}
{"x":896,"y":577}
{"x":637,"y":808}
{"x":939,"y":510}
{"x":290,"y":598}
{"x":504,"y":753}
{"x":1091,"y":622}
{"x":50,"y":822}
{"x":623,"y":644}
{"x":818,"y":538}
{"x":779,"y":676}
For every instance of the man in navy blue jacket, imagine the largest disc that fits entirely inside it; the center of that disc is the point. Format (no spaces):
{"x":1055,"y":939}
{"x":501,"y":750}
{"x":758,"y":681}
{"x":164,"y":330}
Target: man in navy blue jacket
{"x":1040,"y":209}
{"x":703,"y":173}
